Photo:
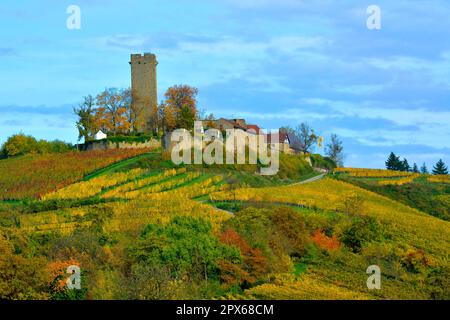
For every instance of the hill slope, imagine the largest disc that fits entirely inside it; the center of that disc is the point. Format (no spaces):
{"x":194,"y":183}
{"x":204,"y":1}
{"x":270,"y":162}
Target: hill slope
{"x":143,"y":229}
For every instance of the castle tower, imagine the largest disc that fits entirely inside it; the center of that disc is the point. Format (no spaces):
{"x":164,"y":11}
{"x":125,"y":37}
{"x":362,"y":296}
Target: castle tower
{"x":143,"y":90}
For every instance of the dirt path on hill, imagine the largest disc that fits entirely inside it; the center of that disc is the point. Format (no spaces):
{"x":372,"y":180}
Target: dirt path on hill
{"x":320,"y":176}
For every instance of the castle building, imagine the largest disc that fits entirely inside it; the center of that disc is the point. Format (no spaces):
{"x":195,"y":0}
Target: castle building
{"x":144,"y":90}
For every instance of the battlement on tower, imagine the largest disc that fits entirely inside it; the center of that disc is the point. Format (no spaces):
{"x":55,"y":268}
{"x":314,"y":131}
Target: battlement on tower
{"x":143,"y":58}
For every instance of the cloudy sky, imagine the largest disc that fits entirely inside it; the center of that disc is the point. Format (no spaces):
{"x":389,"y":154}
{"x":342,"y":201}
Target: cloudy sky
{"x":273,"y":62}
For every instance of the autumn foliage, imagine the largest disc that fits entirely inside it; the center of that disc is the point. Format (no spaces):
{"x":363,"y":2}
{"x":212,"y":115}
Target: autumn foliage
{"x":324,"y":242}
{"x":114,"y":112}
{"x":35,"y":175}
{"x":57,"y":274}
{"x":254,"y":263}
{"x":179,"y":110}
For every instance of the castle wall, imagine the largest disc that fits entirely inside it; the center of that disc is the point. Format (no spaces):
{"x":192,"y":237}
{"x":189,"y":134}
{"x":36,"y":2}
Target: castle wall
{"x":106,"y":145}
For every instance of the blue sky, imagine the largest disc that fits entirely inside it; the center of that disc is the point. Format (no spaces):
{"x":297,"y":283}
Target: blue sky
{"x":274,"y":62}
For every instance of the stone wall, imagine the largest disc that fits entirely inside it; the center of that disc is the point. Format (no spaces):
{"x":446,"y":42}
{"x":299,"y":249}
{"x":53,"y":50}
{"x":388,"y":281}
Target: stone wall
{"x":106,"y":145}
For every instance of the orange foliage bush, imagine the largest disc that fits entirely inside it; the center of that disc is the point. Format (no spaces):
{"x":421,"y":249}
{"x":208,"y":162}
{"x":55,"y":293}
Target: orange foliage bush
{"x":324,"y":242}
{"x":57,"y":274}
{"x":255,"y":264}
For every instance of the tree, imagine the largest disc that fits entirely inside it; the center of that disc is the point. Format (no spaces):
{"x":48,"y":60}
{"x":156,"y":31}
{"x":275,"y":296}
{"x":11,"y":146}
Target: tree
{"x":440,"y":168}
{"x":210,"y":121}
{"x":113,"y":112}
{"x":186,"y":118}
{"x":362,"y":230}
{"x":393,"y":162}
{"x":415,"y":168}
{"x":179,"y":109}
{"x":186,"y":247}
{"x":21,"y":277}
{"x":254,"y":263}
{"x":86,"y":124}
{"x":302,"y":138}
{"x":424,"y":169}
{"x":334,"y":150}
{"x":19,"y":144}
{"x":405,"y":165}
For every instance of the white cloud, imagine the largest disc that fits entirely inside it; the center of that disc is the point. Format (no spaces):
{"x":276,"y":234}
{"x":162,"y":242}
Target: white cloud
{"x":435,"y":70}
{"x":360,"y":89}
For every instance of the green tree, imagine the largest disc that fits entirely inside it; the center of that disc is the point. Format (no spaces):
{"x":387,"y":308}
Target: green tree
{"x":424,"y":169}
{"x":405,"y":165}
{"x":364,"y":229}
{"x":440,"y":168}
{"x":393,"y":162}
{"x":415,"y":168}
{"x":186,"y":118}
{"x":86,"y":124}
{"x":19,"y":144}
{"x":55,"y":146}
{"x":334,"y":150}
{"x":186,"y":246}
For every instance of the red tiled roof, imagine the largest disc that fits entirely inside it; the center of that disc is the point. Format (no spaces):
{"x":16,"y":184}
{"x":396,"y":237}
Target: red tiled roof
{"x":233,"y":123}
{"x":254,"y":127}
{"x":282,"y":137}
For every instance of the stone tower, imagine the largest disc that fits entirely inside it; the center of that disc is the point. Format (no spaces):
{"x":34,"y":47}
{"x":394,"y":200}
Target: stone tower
{"x":143,"y":90}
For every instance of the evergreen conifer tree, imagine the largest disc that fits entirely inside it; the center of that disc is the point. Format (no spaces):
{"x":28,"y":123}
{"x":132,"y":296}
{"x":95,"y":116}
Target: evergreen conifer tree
{"x":424,"y":169}
{"x":405,"y":165}
{"x":393,"y":162}
{"x":440,"y":168}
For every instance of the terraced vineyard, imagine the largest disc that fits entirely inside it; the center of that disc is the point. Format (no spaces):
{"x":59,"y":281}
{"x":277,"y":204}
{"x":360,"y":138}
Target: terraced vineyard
{"x":402,"y":227}
{"x":32,"y":176}
{"x":137,"y":197}
{"x":145,"y":229}
{"x":421,"y":191}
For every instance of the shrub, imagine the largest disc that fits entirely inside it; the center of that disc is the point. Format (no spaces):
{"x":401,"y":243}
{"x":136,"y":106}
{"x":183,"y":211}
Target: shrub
{"x":319,"y":161}
{"x":352,"y":204}
{"x":57,"y":277}
{"x":324,"y":242}
{"x":415,"y":260}
{"x":292,"y":166}
{"x":438,"y":283}
{"x":290,"y":230}
{"x":21,"y":277}
{"x":21,"y":144}
{"x":186,"y":246}
{"x":362,"y":230}
{"x":254,"y":263}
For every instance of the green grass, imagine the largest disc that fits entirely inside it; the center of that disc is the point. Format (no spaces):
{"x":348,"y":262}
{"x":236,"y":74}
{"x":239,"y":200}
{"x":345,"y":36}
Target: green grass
{"x":300,"y":268}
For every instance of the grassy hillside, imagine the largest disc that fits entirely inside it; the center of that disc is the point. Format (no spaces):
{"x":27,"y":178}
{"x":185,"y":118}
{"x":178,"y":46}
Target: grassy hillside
{"x":33,"y":175}
{"x":429,"y":194}
{"x":344,"y":211}
{"x":145,"y":229}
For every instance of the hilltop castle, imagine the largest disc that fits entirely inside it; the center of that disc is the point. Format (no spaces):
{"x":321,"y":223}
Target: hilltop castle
{"x":145,"y":103}
{"x":144,"y":90}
